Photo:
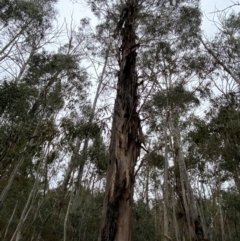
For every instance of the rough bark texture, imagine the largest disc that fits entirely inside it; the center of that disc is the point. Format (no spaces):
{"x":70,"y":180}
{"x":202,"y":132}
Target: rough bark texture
{"x":125,"y":145}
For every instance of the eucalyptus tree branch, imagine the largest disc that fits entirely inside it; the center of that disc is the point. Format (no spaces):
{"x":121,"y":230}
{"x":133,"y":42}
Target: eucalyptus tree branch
{"x":166,"y":236}
{"x":11,"y":42}
{"x":232,"y":5}
{"x":220,"y":62}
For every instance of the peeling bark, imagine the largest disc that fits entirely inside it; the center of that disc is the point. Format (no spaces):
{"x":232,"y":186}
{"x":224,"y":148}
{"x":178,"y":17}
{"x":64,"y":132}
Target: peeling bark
{"x":125,"y":145}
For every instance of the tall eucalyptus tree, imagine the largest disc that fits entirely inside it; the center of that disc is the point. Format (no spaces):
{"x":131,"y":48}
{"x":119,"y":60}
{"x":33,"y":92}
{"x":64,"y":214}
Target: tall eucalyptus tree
{"x":137,"y":28}
{"x":125,"y":144}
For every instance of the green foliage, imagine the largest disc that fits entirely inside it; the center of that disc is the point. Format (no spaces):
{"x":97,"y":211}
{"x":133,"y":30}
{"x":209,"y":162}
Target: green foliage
{"x":176,"y":99}
{"x":86,"y":221}
{"x":189,"y":27}
{"x":155,"y":160}
{"x":16,"y":99}
{"x":44,"y":66}
{"x":17,"y":196}
{"x":231,"y":200}
{"x":18,"y":10}
{"x":98,"y":154}
{"x":82,"y":129}
{"x":143,"y":223}
{"x":220,"y":137}
{"x":226,"y":44}
{"x":29,"y":19}
{"x":232,"y":22}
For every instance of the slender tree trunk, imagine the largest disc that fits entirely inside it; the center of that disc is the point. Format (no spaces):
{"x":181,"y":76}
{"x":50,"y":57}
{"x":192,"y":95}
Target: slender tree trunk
{"x":222,"y":223}
{"x":10,"y":181}
{"x":83,"y":158}
{"x":165,"y":191}
{"x":188,"y":214}
{"x":175,"y":223}
{"x":25,"y":64}
{"x":32,"y":112}
{"x":71,"y":168}
{"x":18,"y":232}
{"x":76,"y":196}
{"x":125,"y":145}
{"x":10,"y":220}
{"x":201,"y":208}
{"x":67,"y":215}
{"x":15,"y":170}
{"x":147,"y":184}
{"x":236,"y":177}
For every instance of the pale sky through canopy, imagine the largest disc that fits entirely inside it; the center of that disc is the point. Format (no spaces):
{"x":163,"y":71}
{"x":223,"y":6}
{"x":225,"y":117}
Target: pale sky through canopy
{"x":209,"y":9}
{"x":67,"y":8}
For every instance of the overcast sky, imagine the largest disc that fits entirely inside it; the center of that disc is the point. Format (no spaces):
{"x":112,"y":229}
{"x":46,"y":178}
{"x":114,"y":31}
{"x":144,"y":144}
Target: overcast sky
{"x":66,"y":8}
{"x":209,"y":8}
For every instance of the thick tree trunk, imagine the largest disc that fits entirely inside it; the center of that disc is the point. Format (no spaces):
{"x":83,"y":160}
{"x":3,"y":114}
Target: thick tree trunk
{"x":125,"y":145}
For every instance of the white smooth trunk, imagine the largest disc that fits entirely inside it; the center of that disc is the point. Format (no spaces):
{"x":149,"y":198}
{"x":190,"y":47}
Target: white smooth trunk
{"x":192,"y":229}
{"x":165,"y":192}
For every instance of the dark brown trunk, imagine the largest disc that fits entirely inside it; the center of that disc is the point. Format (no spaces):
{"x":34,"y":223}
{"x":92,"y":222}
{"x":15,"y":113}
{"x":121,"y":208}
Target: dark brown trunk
{"x":125,"y":145}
